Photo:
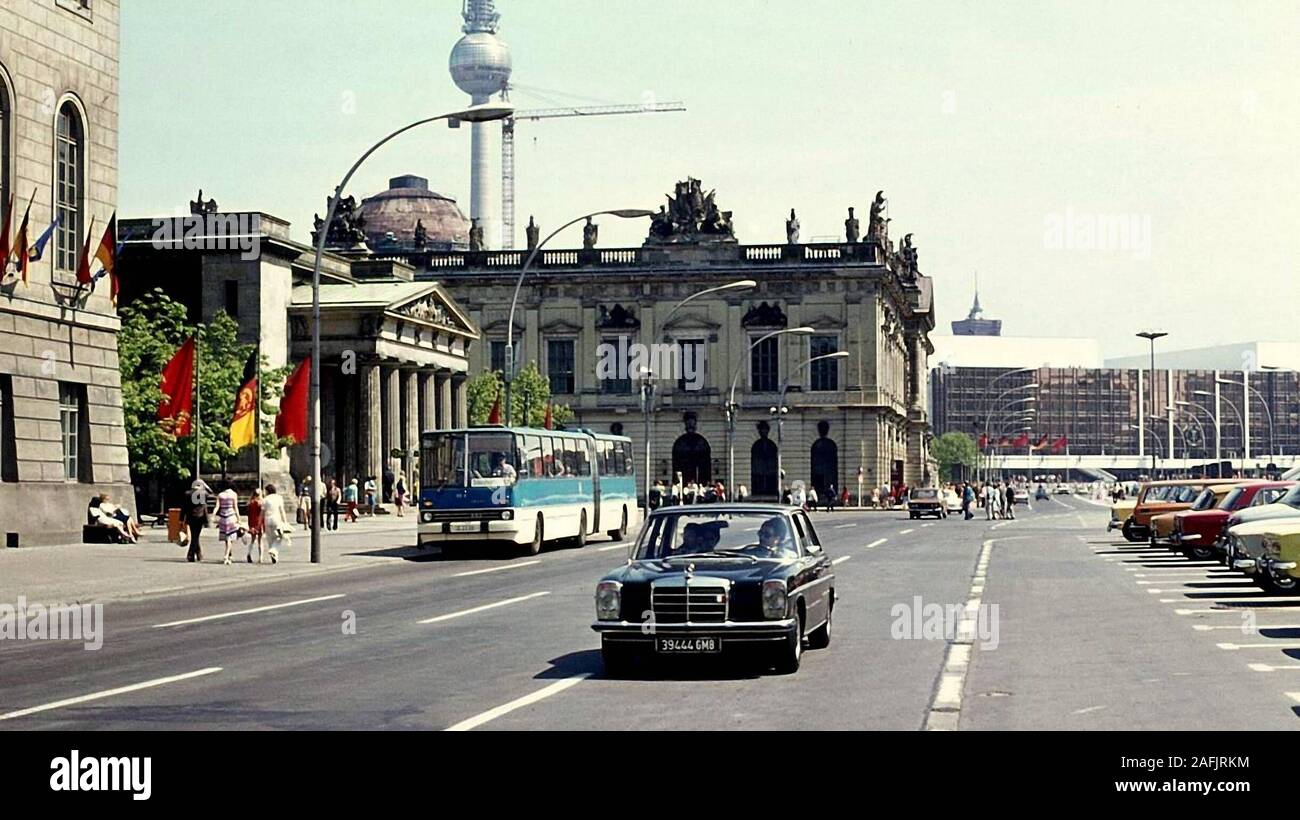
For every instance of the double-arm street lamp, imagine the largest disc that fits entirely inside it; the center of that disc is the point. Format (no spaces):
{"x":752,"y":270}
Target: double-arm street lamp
{"x":1218,"y":425}
{"x":780,"y":410}
{"x":1151,"y":336}
{"x":1268,"y":413}
{"x":731,"y":397}
{"x":988,"y":417}
{"x":509,"y":374}
{"x":476,"y":113}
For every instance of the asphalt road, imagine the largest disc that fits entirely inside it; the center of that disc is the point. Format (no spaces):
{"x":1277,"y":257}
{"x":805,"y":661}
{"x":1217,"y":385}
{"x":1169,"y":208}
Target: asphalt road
{"x":1089,"y":635}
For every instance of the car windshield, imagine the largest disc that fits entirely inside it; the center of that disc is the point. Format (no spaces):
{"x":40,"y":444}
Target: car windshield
{"x":923,"y":494}
{"x":1204,"y":501}
{"x":1292,"y":498}
{"x":718,"y":534}
{"x":1233,"y":497}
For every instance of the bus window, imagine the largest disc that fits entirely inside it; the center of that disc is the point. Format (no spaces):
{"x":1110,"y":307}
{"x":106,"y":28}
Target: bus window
{"x":602,"y":457}
{"x":624,"y":458}
{"x":443,"y":461}
{"x":548,"y":457}
{"x":491,"y":459}
{"x":584,"y":457}
{"x":533,"y":456}
{"x":570,"y":457}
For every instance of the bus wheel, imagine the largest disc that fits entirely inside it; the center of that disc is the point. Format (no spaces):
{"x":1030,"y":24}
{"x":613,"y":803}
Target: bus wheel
{"x":581,"y":540}
{"x":535,"y":546}
{"x":620,"y":533}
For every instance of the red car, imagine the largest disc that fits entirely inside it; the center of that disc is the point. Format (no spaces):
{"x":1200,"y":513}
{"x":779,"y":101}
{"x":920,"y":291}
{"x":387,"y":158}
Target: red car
{"x":1196,"y":532}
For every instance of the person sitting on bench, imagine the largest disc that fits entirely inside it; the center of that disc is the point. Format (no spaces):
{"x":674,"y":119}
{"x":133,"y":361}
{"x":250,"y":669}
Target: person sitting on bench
{"x":102,"y":513}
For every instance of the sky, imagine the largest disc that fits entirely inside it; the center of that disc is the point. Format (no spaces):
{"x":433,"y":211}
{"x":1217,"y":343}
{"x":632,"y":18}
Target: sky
{"x":1102,"y":167}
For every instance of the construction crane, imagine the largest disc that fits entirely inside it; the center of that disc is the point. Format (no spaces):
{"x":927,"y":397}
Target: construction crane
{"x":508,"y":147}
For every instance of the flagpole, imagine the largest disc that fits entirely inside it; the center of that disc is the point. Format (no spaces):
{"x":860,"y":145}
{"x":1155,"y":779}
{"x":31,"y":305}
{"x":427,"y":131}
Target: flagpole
{"x":198,"y":408}
{"x":257,"y":409}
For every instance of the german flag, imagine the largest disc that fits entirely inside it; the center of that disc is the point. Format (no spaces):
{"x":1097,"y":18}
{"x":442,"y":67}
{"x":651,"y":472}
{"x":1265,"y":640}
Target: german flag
{"x":243,"y":427}
{"x":292,"y":420}
{"x":106,"y":255}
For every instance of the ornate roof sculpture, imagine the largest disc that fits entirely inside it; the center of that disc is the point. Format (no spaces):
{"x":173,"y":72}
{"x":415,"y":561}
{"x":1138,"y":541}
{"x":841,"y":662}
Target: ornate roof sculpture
{"x":764,"y":315}
{"x":690,"y":216}
{"x":617,"y":318}
{"x":348,"y":228}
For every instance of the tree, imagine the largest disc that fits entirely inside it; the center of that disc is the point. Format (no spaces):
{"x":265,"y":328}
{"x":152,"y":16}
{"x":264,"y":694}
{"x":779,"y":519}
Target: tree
{"x":952,"y":449}
{"x":531,"y":392}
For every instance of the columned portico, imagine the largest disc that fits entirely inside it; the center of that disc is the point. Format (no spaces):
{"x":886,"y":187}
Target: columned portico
{"x":445,"y":419}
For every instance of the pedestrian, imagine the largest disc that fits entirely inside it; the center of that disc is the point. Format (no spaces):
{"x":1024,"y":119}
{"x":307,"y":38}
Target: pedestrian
{"x":228,"y":520}
{"x":197,"y":518}
{"x":875,"y":498}
{"x":845,"y":498}
{"x":830,"y":497}
{"x":1011,"y":502}
{"x":399,"y":494}
{"x":333,"y":498}
{"x":276,"y":521}
{"x":990,"y":496}
{"x":810,"y":502}
{"x":350,"y":500}
{"x":371,"y":500}
{"x":256,"y":524}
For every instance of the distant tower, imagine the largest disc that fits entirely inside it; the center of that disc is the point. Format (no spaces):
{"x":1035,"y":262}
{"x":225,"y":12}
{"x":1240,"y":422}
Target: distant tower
{"x":975,"y":324}
{"x":480,"y":66}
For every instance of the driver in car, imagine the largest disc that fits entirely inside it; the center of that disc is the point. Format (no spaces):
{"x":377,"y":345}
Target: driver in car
{"x":774,"y":536}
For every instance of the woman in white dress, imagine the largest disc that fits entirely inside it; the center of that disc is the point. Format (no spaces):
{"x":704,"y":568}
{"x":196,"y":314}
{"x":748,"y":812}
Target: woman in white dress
{"x":276,"y":522}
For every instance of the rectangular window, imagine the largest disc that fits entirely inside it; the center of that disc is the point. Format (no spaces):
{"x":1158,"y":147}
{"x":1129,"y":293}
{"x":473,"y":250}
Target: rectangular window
{"x":548,"y":457}
{"x":825,"y":374}
{"x":73,"y":426}
{"x":559,"y":366}
{"x":620,"y":384}
{"x":533,"y":455}
{"x":691,"y":376}
{"x":763,"y":369}
{"x":232,"y":298}
{"x":8,"y":445}
{"x":67,"y":188}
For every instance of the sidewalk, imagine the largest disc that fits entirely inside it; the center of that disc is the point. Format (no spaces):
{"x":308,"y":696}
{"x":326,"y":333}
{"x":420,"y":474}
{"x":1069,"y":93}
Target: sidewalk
{"x":83,"y":573}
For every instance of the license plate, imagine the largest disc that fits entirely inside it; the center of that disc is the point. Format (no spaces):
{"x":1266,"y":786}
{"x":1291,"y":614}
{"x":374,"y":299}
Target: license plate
{"x":688,"y":646}
{"x":464,"y":526}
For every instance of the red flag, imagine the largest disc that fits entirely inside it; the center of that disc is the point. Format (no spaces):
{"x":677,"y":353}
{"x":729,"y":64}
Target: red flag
{"x":83,"y":261}
{"x":494,"y":417}
{"x":1022,"y":440}
{"x":178,"y":391}
{"x":1004,"y":442}
{"x":106,"y":254}
{"x":20,"y":244}
{"x":5,"y":248}
{"x":1060,"y":442}
{"x":1041,"y":443}
{"x":984,"y":441}
{"x":549,"y":424}
{"x":292,"y":421}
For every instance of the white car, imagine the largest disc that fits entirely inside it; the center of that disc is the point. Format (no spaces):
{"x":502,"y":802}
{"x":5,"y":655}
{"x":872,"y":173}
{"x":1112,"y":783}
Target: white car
{"x":1062,"y":489}
{"x":952,"y":501}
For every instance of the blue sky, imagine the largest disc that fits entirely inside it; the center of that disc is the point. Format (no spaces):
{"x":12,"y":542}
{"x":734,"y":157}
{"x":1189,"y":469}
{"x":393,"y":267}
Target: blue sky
{"x":988,"y":125}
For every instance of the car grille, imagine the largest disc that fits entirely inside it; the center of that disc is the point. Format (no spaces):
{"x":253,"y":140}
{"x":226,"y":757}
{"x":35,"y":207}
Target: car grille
{"x":697,"y":603}
{"x":466,"y":515}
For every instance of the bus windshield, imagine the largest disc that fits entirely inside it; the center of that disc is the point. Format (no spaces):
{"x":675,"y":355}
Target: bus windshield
{"x":489,"y":457}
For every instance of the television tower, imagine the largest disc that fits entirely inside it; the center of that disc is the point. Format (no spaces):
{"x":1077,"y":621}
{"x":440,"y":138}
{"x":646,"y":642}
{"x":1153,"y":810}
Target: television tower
{"x":480,"y":66}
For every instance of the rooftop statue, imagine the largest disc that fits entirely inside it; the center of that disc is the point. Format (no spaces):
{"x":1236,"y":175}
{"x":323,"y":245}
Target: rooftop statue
{"x":691,"y":216}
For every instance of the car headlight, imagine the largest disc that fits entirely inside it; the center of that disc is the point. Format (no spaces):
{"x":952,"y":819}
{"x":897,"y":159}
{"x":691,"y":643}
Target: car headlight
{"x":506,"y":515}
{"x":609,"y":595}
{"x":427,"y":517}
{"x":774,"y":599}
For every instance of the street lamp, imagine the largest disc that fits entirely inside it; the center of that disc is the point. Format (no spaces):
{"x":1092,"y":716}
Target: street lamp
{"x":1151,"y":336}
{"x":780,"y":410}
{"x":1268,"y":413}
{"x":1217,"y":426}
{"x":731,"y":396}
{"x":484,"y":112}
{"x":988,"y":416}
{"x":648,"y":387}
{"x":509,"y":374}
{"x":984,"y":404}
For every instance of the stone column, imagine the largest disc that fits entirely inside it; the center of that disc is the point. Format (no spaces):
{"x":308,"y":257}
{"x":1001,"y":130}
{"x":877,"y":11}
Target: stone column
{"x":370,"y":442}
{"x":349,"y":423}
{"x":411,"y":424}
{"x":392,"y":387}
{"x":329,"y":463}
{"x":428,"y":401}
{"x":460,"y":400}
{"x":445,"y":418}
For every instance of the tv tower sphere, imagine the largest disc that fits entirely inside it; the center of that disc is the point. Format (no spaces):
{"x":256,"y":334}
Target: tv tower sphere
{"x":480,"y":63}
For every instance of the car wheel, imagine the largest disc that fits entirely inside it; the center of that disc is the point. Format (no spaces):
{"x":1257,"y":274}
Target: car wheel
{"x":580,"y":540}
{"x":791,"y":651}
{"x":620,"y":533}
{"x":539,"y":537}
{"x":1129,"y":533}
{"x":1200,"y":553}
{"x":1283,"y":584}
{"x":820,"y":638}
{"x":617,"y":660}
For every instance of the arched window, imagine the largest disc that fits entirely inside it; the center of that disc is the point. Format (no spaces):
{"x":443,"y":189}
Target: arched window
{"x":69,"y":185}
{"x":6,"y":117}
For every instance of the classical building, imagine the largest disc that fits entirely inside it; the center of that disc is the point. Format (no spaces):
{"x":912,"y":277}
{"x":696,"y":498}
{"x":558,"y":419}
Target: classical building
{"x":590,"y":319}
{"x":61,"y":433}
{"x":393,"y":350}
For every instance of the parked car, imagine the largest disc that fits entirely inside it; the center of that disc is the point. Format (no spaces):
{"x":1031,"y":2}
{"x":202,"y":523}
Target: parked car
{"x":1158,"y":497}
{"x":1162,"y":525}
{"x":926,"y":501}
{"x":1279,"y":566}
{"x":1199,"y":534}
{"x":718,"y":580}
{"x":1249,"y":544}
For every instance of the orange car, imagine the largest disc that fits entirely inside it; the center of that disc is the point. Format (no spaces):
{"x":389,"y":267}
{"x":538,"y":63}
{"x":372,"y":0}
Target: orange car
{"x":1162,"y":525}
{"x":1158,"y":497}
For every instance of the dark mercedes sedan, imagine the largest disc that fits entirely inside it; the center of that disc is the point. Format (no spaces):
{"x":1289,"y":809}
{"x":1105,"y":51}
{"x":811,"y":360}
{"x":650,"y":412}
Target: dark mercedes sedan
{"x":715,"y":579}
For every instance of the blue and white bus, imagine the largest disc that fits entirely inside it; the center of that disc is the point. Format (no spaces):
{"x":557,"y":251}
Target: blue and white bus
{"x":524,"y":485}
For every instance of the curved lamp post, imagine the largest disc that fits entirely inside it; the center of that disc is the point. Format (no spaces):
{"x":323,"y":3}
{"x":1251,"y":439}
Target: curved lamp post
{"x":989,"y":415}
{"x":509,"y":375}
{"x":1236,"y":413}
{"x":1218,"y":434}
{"x":780,"y":410}
{"x":1268,"y":413}
{"x":731,"y":398}
{"x":475,"y":113}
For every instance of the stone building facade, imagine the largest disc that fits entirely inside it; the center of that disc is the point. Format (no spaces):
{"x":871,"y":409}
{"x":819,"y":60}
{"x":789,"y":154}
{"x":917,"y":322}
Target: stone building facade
{"x":61,"y":433}
{"x":864,"y":296}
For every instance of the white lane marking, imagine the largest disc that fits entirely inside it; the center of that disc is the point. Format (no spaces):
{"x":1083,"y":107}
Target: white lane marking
{"x":1295,"y":696}
{"x":1257,"y":627}
{"x":472,"y":610}
{"x":840,"y":560}
{"x":1267,"y":667}
{"x":945,"y":706}
{"x":496,"y":569}
{"x":1273,"y":645}
{"x":1205,"y":590}
{"x":877,"y":542}
{"x":1088,"y":709}
{"x":843,"y":526}
{"x":612,"y":547}
{"x":248,"y":611}
{"x":905,"y":532}
{"x":108,"y":693}
{"x":527,"y":700}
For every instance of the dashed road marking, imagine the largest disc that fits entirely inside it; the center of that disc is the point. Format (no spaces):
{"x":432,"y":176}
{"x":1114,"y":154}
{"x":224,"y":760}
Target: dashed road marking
{"x":840,"y":560}
{"x":519,"y":703}
{"x":252,"y":611}
{"x":108,"y":693}
{"x":877,"y":542}
{"x":473,"y":610}
{"x":496,"y":569}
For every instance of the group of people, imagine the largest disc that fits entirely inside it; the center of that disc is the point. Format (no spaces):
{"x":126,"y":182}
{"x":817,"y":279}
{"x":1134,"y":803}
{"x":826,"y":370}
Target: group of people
{"x":807,"y":497}
{"x":265,"y":527}
{"x":996,"y":498}
{"x":348,"y":501}
{"x":691,"y":493}
{"x":102,"y":512}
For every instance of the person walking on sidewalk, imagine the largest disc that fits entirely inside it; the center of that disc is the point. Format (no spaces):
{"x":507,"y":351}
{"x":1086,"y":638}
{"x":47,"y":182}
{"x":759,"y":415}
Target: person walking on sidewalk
{"x":196,"y":518}
{"x":333,"y":497}
{"x":1011,"y":502}
{"x":399,"y":494}
{"x":990,"y":498}
{"x":350,"y":501}
{"x":228,"y":520}
{"x":256,"y":525}
{"x":371,"y":500}
{"x":276,"y":520}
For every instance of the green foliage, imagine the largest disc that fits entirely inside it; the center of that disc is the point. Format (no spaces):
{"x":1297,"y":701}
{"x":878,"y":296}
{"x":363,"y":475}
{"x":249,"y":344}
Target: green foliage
{"x":153,"y":327}
{"x":951,"y":449}
{"x":531,"y":391}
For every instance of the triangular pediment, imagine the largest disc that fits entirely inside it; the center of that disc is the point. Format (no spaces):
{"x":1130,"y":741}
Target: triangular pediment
{"x":433,"y":307}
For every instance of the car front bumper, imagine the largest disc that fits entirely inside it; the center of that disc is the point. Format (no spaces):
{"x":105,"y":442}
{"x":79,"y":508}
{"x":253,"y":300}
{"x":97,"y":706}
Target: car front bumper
{"x":746,"y":632}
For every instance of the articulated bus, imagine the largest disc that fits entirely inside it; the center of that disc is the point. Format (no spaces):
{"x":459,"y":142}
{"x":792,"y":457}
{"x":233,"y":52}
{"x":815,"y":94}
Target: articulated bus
{"x":524,"y":486}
